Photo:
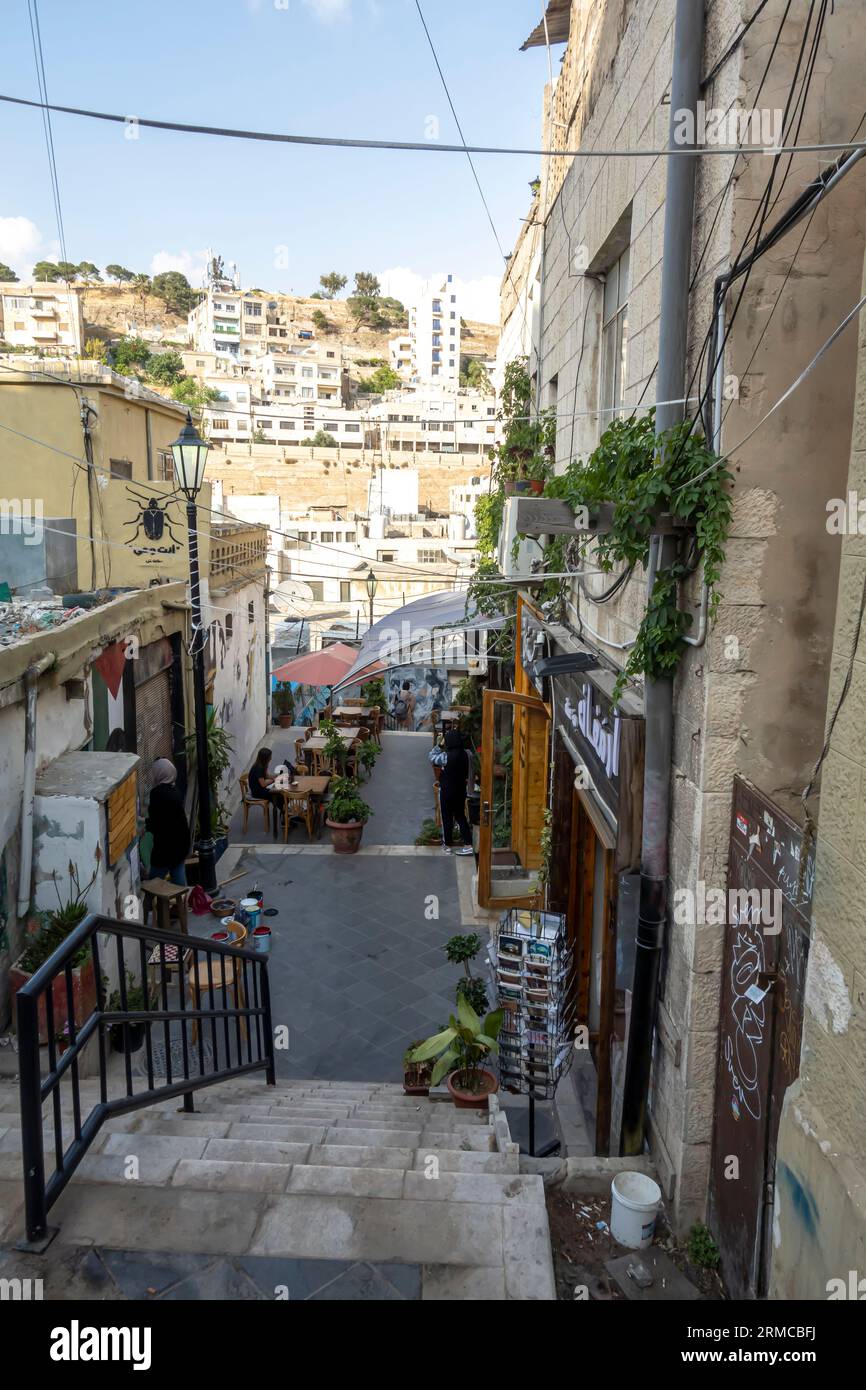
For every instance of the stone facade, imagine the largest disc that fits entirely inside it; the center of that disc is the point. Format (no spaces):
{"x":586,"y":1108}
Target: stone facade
{"x":820,"y":1215}
{"x":336,"y":478}
{"x":751,"y":699}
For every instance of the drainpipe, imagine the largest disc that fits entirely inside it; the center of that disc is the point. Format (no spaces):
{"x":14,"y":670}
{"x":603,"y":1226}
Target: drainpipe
{"x":673,"y":339}
{"x":25,"y":868}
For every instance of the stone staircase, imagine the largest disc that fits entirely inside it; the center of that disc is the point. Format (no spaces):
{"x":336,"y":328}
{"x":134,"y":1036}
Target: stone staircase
{"x":305,"y":1171}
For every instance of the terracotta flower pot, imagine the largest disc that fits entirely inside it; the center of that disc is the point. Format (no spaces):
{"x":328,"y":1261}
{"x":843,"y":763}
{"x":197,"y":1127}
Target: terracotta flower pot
{"x":536,"y":486}
{"x":286,"y":721}
{"x":472,"y":1100}
{"x":346,"y":835}
{"x":83,"y":997}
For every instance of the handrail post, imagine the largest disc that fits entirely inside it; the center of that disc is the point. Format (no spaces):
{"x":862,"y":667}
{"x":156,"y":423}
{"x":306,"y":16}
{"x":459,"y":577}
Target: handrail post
{"x":270,"y":1074}
{"x":32,"y":1150}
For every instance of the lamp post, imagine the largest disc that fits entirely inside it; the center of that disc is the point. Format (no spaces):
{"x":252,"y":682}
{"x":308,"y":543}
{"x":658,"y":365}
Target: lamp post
{"x":190,"y":457}
{"x":372,"y":586}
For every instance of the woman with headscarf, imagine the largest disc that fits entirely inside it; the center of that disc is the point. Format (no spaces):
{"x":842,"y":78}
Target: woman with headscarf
{"x":167,"y":822}
{"x":452,"y":793}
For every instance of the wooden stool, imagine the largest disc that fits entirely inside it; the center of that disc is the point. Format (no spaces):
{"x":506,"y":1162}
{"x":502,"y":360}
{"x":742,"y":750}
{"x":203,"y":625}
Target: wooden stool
{"x":159,"y":897}
{"x":234,"y":987}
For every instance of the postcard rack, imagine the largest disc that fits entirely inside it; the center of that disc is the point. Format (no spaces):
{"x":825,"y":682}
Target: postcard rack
{"x":531,"y":963}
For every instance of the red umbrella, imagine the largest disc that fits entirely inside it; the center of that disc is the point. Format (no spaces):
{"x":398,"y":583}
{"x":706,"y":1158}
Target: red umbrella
{"x":325,"y":667}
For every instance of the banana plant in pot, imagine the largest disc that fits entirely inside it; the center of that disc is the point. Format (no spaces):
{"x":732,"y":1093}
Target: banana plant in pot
{"x":460,"y":1050}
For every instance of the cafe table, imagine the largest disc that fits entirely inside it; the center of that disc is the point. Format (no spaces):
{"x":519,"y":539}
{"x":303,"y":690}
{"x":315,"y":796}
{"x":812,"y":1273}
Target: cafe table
{"x":353,"y":712}
{"x":314,"y":787}
{"x":316,"y":742}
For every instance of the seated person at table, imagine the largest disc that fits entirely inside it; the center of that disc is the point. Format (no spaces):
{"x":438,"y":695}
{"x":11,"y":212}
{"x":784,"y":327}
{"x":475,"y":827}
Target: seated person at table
{"x":261,"y":780}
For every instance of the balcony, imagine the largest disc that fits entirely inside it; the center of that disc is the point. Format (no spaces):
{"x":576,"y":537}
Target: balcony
{"x":47,"y":311}
{"x":226,"y":330}
{"x":236,"y":550}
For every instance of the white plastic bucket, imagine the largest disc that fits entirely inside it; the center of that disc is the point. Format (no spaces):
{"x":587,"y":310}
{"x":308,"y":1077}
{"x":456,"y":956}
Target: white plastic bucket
{"x":634,"y":1203}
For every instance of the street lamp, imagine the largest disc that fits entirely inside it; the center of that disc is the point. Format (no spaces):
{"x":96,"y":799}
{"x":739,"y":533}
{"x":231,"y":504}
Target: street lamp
{"x":190,"y":457}
{"x":372,"y":586}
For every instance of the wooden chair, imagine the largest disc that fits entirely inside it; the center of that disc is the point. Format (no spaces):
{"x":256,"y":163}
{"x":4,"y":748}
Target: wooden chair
{"x":299,"y":804}
{"x":159,"y":897}
{"x":198,"y":986}
{"x":375,"y":721}
{"x":249,"y":801}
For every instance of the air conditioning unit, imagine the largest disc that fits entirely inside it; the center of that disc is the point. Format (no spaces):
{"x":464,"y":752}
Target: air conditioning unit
{"x":515,"y":560}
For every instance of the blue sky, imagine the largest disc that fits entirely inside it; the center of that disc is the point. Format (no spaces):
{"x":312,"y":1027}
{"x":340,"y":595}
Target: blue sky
{"x":284,"y":214}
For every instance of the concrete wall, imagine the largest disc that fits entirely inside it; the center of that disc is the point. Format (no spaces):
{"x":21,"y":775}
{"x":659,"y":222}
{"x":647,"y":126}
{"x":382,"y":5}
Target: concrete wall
{"x":820,"y":1216}
{"x":752,"y":699}
{"x":240,"y":693}
{"x":64,"y":723}
{"x":43,"y":468}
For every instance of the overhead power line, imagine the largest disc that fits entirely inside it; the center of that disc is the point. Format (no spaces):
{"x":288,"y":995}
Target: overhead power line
{"x":426,"y":146}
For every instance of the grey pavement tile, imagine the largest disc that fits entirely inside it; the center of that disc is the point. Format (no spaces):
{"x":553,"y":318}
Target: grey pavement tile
{"x":220,"y":1281}
{"x":141,"y":1275}
{"x":361,"y":1283}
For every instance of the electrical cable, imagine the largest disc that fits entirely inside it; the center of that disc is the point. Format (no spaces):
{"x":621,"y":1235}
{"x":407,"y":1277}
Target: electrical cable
{"x":343,"y":142}
{"x":36,"y":36}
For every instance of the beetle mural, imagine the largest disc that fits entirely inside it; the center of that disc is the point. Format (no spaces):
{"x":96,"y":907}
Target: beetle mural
{"x":154,"y":532}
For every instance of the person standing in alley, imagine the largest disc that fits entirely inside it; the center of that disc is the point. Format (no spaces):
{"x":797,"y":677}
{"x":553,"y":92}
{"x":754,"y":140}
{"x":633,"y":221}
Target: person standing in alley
{"x":167,"y":823}
{"x":452,"y":793}
{"x":404,"y":707}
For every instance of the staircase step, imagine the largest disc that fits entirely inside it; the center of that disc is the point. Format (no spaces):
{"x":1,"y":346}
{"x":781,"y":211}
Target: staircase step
{"x":330,"y":1180}
{"x":257,"y":1151}
{"x":231,"y":1175}
{"x":375,"y":1228}
{"x":288,"y":1134}
{"x":361,"y":1156}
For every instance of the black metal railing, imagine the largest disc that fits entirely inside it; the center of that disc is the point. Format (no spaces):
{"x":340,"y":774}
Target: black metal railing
{"x":228,"y":1035}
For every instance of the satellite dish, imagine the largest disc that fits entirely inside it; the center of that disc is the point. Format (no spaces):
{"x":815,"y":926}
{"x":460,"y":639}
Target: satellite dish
{"x":286,"y":597}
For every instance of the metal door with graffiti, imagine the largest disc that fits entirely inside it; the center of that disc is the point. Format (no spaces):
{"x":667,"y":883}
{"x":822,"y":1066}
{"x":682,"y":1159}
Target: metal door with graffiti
{"x":763,"y":981}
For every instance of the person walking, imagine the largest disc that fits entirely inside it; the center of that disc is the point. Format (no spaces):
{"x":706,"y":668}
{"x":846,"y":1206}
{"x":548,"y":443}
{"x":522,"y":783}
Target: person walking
{"x":453,"y":778}
{"x":167,"y":822}
{"x":404,"y":707}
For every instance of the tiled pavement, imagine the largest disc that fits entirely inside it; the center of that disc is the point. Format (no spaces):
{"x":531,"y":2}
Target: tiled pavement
{"x":95,"y":1272}
{"x":357,"y":968}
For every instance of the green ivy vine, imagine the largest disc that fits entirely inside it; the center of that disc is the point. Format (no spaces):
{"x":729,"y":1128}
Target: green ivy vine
{"x":641,"y":475}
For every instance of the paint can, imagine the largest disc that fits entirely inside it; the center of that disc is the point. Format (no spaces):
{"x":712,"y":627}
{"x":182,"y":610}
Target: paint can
{"x":261,"y":939}
{"x":251,"y":909}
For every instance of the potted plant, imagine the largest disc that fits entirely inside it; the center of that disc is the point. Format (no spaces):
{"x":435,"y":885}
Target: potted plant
{"x":136,"y":1002}
{"x":347,"y":815}
{"x":53,"y":930}
{"x":460,"y":950}
{"x":368,"y":752}
{"x":460,"y":1049}
{"x":373,"y":695}
{"x":284,"y":704}
{"x":416,"y":1075}
{"x":219,"y":750}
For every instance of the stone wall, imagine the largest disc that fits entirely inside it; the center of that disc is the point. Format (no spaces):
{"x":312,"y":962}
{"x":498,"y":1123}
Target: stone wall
{"x":751,"y":699}
{"x":820,"y":1216}
{"x":337,"y":478}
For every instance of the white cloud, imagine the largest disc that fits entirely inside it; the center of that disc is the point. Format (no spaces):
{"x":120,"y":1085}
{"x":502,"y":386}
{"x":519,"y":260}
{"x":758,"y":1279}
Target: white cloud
{"x":479,"y":298}
{"x":328,"y":10}
{"x":22,"y":244}
{"x":192,"y":264}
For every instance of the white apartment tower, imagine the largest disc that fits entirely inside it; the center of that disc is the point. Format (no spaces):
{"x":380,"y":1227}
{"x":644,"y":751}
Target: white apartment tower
{"x":434,"y":326}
